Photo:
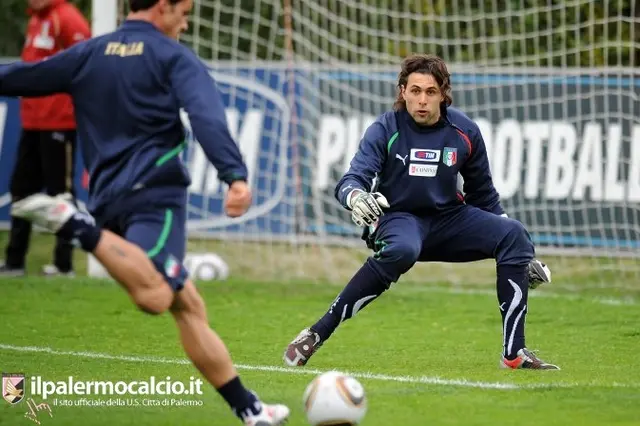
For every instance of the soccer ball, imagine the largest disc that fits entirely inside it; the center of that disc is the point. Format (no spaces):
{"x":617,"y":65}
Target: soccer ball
{"x":206,"y":267}
{"x":335,"y":399}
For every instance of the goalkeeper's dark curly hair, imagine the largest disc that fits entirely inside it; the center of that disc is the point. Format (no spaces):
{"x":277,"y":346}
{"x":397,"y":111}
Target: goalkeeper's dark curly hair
{"x":424,"y":64}
{"x":138,"y":5}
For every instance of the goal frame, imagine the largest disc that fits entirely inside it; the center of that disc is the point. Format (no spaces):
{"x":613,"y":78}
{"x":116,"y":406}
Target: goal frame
{"x":104,"y":16}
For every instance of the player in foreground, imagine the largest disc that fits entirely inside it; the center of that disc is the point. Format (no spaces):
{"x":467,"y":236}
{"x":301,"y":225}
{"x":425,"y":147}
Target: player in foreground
{"x":127,"y":88}
{"x":414,"y":213}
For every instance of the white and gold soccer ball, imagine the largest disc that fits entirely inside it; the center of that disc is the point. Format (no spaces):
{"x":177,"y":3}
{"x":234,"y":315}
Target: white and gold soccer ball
{"x":336,"y":399}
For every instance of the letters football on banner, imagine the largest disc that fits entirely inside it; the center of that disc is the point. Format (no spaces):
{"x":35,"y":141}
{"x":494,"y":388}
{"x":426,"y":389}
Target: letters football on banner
{"x":564,"y":150}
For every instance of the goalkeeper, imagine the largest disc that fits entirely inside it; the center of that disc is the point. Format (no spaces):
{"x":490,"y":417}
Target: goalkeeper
{"x":415,"y":153}
{"x":128,"y":87}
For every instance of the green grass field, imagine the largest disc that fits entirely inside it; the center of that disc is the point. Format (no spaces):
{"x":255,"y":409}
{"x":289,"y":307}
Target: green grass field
{"x":426,"y":354}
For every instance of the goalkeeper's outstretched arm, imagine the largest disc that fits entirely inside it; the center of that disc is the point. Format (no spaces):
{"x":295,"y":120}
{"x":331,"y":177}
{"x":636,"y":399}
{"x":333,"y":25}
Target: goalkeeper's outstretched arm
{"x":365,"y":165}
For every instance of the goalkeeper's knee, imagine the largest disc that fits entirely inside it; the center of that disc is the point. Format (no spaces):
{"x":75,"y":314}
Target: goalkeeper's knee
{"x":393,"y":260}
{"x":516,"y":247}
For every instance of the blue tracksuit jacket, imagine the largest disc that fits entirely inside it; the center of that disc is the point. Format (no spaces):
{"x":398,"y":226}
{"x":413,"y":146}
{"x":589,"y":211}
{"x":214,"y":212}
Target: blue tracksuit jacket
{"x":416,"y":168}
{"x":128,"y":88}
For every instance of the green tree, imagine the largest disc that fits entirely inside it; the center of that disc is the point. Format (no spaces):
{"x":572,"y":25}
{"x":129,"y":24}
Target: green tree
{"x":485,"y":32}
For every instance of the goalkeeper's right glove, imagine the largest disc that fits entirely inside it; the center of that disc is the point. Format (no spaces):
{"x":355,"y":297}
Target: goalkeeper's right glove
{"x":366,"y":208}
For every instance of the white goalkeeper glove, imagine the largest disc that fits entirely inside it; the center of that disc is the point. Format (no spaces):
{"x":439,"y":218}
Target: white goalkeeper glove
{"x":366,"y":207}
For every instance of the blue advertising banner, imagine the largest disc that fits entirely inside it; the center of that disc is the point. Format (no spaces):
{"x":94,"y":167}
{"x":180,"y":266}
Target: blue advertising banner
{"x":564,"y":150}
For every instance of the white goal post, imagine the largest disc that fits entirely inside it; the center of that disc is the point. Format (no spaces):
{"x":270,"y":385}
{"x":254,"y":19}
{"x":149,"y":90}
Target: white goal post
{"x":104,"y":16}
{"x":556,"y":102}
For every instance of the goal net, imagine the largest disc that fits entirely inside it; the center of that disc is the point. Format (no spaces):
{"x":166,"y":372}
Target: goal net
{"x":550,"y":83}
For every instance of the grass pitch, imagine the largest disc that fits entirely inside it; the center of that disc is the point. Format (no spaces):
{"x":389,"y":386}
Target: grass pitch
{"x":427,"y":355}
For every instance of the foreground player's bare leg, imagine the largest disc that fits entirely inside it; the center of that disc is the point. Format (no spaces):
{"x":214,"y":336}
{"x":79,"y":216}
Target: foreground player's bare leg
{"x":130,"y":266}
{"x":203,"y":346}
{"x":210,"y":356}
{"x":133,"y":270}
{"x":124,"y":261}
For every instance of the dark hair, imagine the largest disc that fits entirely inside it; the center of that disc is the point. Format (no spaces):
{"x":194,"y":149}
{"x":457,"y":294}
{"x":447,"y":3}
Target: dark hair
{"x":424,"y":64}
{"x":137,"y":5}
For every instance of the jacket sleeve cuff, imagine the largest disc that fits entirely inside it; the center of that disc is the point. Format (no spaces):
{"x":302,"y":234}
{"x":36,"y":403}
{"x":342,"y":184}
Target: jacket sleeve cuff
{"x":233,"y":177}
{"x":350,"y":195}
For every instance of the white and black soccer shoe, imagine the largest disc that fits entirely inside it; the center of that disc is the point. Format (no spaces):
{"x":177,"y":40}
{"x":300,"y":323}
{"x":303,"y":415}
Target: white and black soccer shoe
{"x":43,"y":210}
{"x":270,"y":415}
{"x":539,"y":273}
{"x":306,"y":343}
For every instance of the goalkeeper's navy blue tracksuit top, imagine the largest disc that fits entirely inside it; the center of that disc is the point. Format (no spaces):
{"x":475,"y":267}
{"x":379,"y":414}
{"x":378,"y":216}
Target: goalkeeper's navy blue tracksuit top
{"x":128,"y":87}
{"x":416,"y":168}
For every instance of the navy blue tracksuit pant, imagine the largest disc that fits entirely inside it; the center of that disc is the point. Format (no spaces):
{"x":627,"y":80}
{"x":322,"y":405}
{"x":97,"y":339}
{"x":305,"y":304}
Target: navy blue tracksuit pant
{"x":465,"y":234}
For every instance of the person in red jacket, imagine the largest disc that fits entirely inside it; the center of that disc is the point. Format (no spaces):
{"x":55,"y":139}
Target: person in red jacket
{"x":45,"y":158}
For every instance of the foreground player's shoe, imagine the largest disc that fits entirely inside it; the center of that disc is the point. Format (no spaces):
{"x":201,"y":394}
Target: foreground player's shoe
{"x":527,"y":359}
{"x":539,"y":273}
{"x":271,"y":415}
{"x":43,"y":210}
{"x":303,"y":346}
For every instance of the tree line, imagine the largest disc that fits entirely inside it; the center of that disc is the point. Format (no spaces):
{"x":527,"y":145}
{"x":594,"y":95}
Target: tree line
{"x":491,"y":32}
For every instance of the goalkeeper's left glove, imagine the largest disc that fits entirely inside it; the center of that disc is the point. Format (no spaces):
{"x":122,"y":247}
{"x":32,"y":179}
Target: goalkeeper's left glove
{"x":366,"y":207}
